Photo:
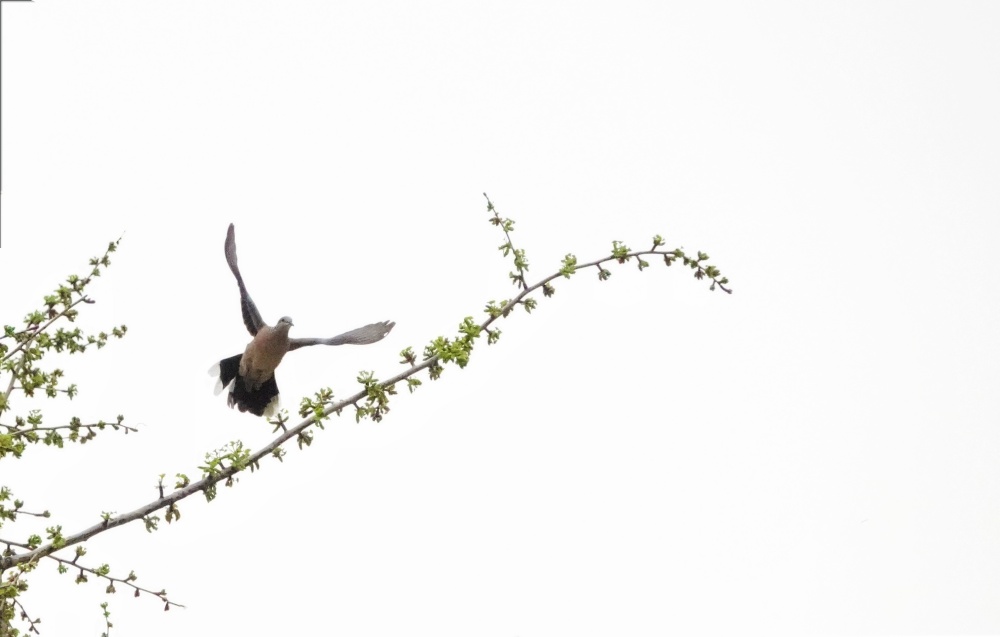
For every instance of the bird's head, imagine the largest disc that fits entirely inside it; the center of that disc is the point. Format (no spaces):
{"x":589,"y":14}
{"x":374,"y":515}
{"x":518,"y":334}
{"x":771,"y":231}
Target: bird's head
{"x":284,"y":323}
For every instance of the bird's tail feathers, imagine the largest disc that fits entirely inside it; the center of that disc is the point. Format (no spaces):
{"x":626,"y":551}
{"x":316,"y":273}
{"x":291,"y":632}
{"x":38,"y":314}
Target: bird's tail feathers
{"x":226,"y":370}
{"x":263,"y":401}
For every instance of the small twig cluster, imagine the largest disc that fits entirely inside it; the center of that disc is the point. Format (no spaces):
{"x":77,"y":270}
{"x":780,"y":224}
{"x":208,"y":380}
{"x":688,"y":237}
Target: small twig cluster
{"x":21,"y":353}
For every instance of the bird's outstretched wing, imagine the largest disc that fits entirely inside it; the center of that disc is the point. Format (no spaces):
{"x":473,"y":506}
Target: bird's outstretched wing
{"x":251,"y":317}
{"x":361,"y":336}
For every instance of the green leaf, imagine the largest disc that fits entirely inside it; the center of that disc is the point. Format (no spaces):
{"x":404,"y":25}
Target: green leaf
{"x":568,"y":265}
{"x":619,"y":251}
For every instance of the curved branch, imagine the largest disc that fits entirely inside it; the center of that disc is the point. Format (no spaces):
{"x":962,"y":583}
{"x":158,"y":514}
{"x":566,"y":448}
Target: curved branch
{"x":288,"y":434}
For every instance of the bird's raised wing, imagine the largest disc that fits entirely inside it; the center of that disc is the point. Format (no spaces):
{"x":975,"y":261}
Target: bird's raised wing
{"x":361,"y":336}
{"x":251,"y":317}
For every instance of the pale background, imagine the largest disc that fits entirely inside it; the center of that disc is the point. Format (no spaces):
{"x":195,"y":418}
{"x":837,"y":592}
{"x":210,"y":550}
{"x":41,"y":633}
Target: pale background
{"x":818,"y":452}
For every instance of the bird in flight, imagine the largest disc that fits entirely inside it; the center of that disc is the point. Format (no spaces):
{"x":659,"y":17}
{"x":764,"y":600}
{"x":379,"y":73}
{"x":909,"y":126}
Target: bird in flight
{"x":250,"y":376}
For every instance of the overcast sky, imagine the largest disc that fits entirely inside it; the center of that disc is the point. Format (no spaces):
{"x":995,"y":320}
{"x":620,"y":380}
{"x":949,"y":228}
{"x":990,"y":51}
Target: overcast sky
{"x":818,"y":452}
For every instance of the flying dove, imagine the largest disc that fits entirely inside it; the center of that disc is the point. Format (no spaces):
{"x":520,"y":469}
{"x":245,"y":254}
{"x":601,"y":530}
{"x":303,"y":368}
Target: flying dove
{"x":250,"y":375}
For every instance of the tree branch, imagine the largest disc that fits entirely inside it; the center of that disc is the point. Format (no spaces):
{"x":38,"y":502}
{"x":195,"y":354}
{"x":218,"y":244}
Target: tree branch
{"x":14,"y":431}
{"x":161,"y":594}
{"x":39,"y":330}
{"x":336,"y":407}
{"x":26,"y":617}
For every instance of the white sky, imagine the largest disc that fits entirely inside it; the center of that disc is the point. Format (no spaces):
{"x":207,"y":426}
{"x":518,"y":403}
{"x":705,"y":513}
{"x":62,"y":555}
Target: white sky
{"x":818,"y":452}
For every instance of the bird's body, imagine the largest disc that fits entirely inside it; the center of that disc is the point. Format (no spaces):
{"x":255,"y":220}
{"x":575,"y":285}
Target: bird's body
{"x":263,"y":354}
{"x":250,"y":375}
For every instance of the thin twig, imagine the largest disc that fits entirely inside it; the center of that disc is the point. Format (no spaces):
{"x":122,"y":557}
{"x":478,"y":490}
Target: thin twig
{"x":162,"y":594}
{"x":498,"y":221}
{"x":12,"y":430}
{"x":25,"y":616}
